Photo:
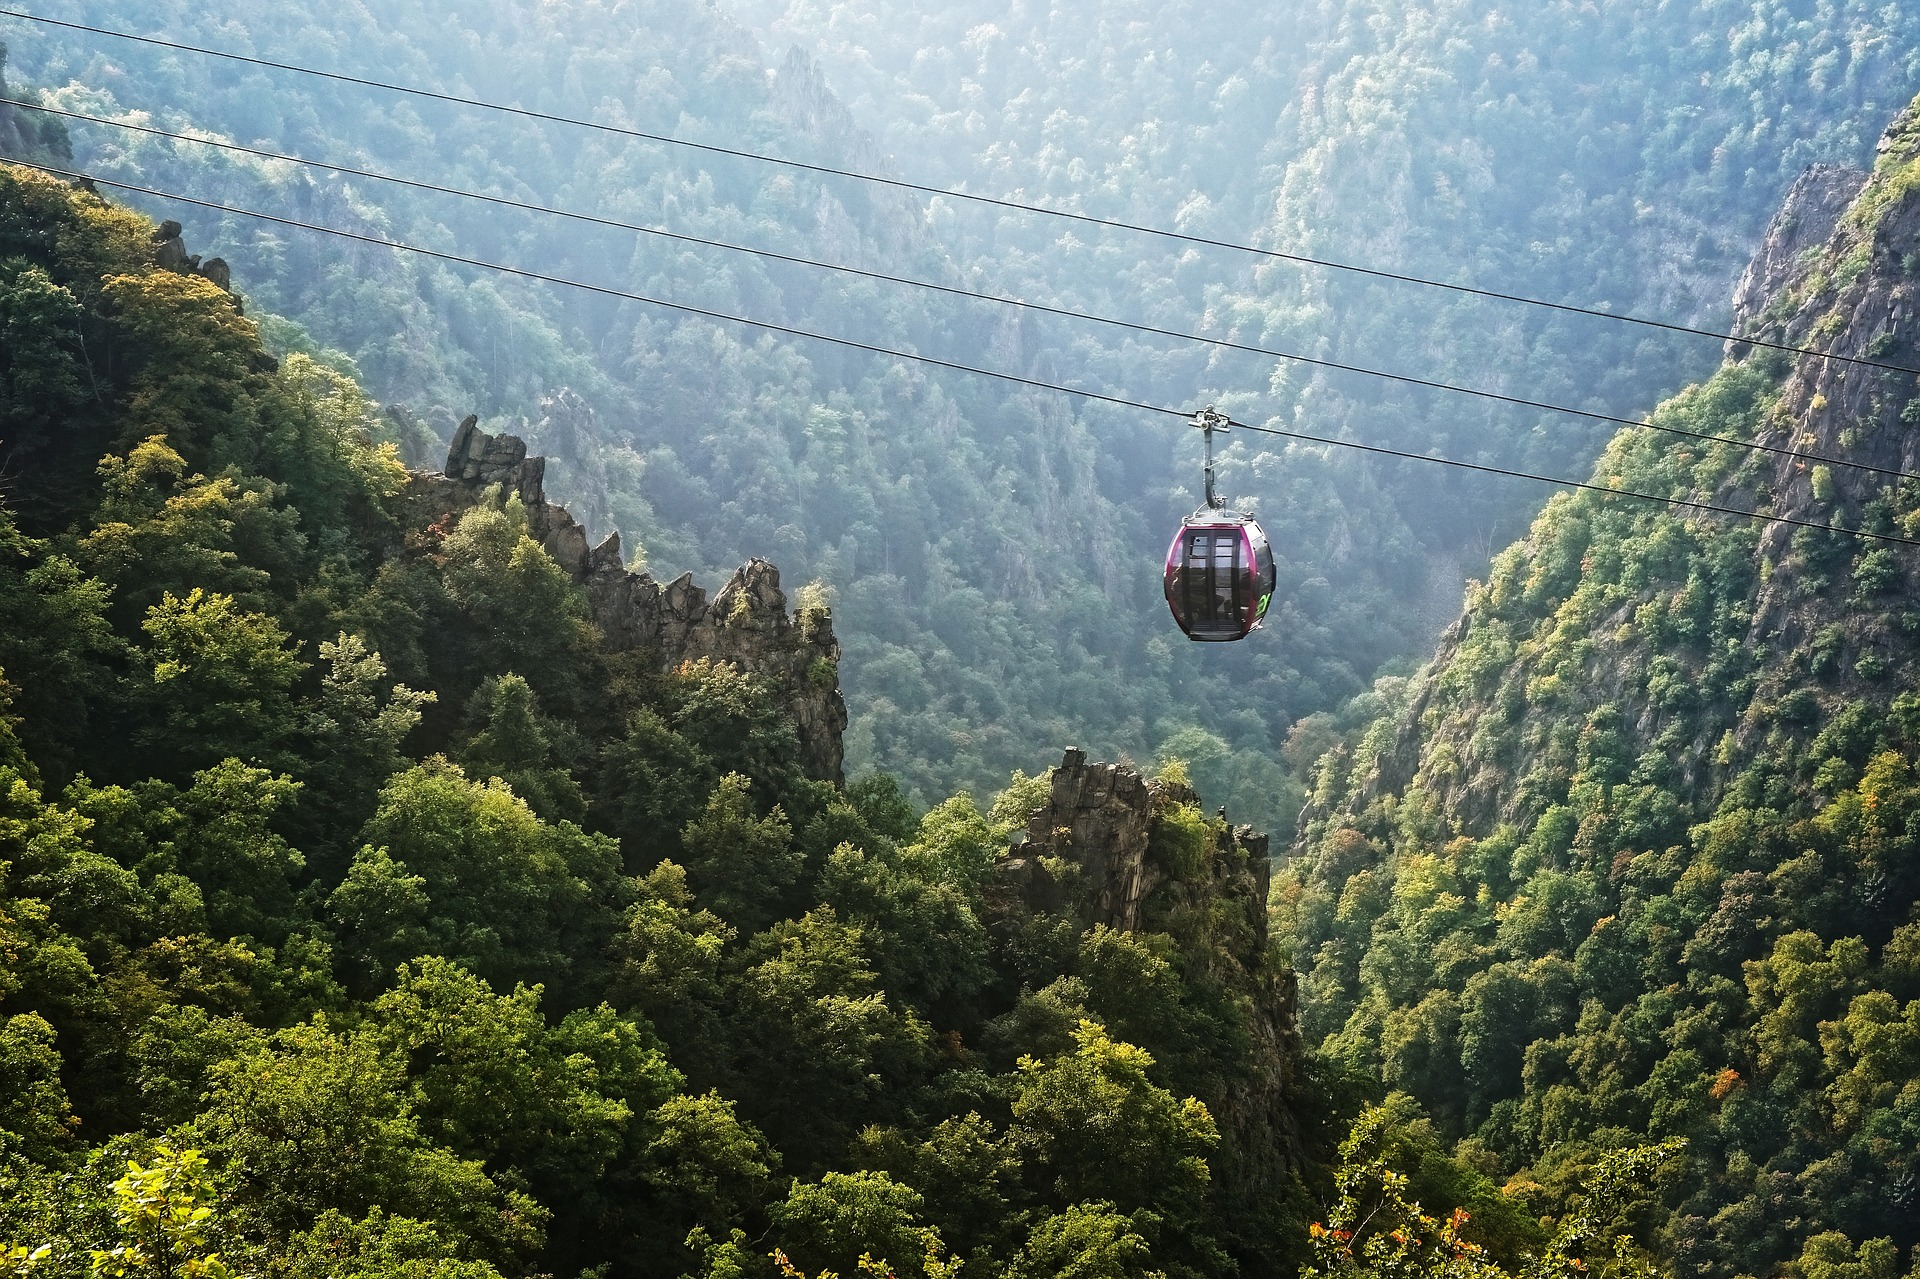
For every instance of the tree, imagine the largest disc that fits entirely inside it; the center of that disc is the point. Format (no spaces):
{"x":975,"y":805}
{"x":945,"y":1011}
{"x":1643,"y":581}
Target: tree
{"x":165,"y":1214}
{"x":1087,"y":1241}
{"x":35,"y":1114}
{"x":222,"y":681}
{"x":731,"y":718}
{"x":669,"y":957}
{"x":1091,"y":1125}
{"x":1375,"y":1229}
{"x":509,"y":895}
{"x":356,"y":730}
{"x":525,"y":612}
{"x":650,"y":784}
{"x":573,"y":1093}
{"x":377,"y":1246}
{"x":836,"y":1222}
{"x":817,"y":1045}
{"x":740,"y":865}
{"x":313,"y":1121}
{"x":517,"y":749}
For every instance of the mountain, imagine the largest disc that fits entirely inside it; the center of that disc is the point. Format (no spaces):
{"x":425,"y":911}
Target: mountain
{"x":395,"y":882}
{"x":1633,"y":856}
{"x":993,"y":553}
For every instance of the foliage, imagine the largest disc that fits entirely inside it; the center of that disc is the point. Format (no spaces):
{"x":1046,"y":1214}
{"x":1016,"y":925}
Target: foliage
{"x":1644,"y":869}
{"x":1375,"y":1228}
{"x":372,"y":919}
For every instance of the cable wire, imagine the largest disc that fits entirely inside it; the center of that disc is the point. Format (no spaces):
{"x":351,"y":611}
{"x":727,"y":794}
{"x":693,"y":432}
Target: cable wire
{"x":955,"y":366}
{"x":992,"y":201}
{"x":955,"y":291}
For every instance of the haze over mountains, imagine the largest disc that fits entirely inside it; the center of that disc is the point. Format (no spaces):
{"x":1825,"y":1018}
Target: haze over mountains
{"x":1619,"y":155}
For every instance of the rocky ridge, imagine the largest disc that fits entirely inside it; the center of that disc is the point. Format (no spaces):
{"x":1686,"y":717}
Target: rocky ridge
{"x":746,"y":623}
{"x":1090,"y":855}
{"x":1838,"y":271}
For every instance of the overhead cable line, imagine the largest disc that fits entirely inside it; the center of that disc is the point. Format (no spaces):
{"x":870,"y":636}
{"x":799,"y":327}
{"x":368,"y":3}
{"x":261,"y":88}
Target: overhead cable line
{"x":955,"y":291}
{"x":1019,"y":206}
{"x":955,"y":366}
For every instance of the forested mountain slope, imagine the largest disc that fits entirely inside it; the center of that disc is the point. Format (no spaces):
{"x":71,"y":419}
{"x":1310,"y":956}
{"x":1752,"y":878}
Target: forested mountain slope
{"x":392,"y":883}
{"x":992,"y":553}
{"x":1635,"y":855}
{"x":1616,"y":154}
{"x":983,"y":557}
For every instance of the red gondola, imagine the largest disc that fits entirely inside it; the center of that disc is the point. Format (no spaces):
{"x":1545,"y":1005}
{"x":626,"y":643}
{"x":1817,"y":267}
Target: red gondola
{"x":1219,"y":576}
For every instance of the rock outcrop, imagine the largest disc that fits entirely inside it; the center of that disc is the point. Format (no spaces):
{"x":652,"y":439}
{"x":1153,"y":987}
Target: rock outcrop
{"x":170,"y":254}
{"x":745,"y":624}
{"x":1100,"y":818}
{"x":1806,"y":219}
{"x":1093,"y":854}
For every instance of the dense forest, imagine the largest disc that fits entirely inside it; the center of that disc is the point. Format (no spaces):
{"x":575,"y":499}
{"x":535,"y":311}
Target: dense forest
{"x":1635,"y":856}
{"x":1619,"y":154}
{"x":408,"y":868}
{"x":367,"y":909}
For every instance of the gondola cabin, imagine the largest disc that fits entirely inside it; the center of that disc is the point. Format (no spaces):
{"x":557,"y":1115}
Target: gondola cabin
{"x":1219,"y":576}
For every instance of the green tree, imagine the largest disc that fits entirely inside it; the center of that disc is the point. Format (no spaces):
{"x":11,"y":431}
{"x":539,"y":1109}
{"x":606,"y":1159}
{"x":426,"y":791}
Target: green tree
{"x":1091,"y":1125}
{"x":575,"y":1091}
{"x":165,"y":1214}
{"x":517,"y":749}
{"x":741,"y":866}
{"x":34,"y":1111}
{"x":670,"y":958}
{"x":377,"y":1246}
{"x":1087,"y":1241}
{"x":509,"y":895}
{"x":833,"y":1223}
{"x":1375,"y":1227}
{"x":222,"y":681}
{"x":313,"y":1121}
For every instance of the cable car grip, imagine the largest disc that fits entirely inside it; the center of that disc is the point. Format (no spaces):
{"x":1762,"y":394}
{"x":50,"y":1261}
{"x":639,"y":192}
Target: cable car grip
{"x":1208,"y":421}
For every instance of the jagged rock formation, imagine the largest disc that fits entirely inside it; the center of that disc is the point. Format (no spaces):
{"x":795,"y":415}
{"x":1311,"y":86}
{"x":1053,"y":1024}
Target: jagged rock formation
{"x":1099,"y":818}
{"x":746,"y":623}
{"x":1091,"y":855}
{"x":1806,"y":219}
{"x":170,"y":254}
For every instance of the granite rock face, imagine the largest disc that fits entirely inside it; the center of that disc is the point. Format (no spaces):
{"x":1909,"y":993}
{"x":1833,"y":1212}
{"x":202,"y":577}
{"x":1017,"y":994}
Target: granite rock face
{"x":746,"y":624}
{"x":1090,"y":854}
{"x":1807,"y":217}
{"x":170,"y":254}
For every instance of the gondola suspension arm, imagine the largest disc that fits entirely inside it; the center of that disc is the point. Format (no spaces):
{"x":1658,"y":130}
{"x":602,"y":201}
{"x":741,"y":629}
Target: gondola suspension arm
{"x":1208,"y":421}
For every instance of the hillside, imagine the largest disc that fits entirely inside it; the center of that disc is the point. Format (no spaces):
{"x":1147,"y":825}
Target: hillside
{"x":392,"y":882}
{"x":1634,"y":854}
{"x":917,"y":496}
{"x":1573,"y":152}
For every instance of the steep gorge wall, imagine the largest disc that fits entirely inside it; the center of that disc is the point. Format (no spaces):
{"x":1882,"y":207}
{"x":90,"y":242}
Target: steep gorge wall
{"x":1091,"y":854}
{"x":1835,"y":272}
{"x":1574,"y":893}
{"x":746,"y":623}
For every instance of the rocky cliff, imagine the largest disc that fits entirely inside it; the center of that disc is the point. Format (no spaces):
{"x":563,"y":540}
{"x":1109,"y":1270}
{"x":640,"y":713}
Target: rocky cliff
{"x":1640,"y":855}
{"x":746,"y":623}
{"x":1097,"y":853}
{"x":1808,"y":622}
